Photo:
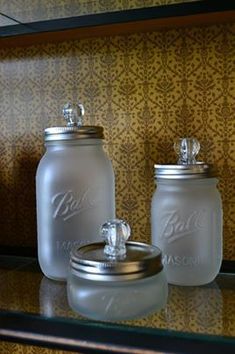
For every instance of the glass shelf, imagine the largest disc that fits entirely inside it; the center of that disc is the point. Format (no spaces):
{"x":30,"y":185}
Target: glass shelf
{"x":58,"y":23}
{"x":34,"y":309}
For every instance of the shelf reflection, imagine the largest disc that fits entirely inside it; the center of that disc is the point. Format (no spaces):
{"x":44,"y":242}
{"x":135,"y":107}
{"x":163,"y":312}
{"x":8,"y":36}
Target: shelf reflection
{"x":203,"y":310}
{"x":194,"y":309}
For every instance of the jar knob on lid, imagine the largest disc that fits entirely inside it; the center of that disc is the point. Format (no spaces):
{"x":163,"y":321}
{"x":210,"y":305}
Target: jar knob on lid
{"x":115,"y":233}
{"x":187,"y":149}
{"x":73,"y":114}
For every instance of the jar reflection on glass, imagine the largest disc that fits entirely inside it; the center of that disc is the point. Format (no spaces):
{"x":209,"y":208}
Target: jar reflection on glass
{"x":53,"y":298}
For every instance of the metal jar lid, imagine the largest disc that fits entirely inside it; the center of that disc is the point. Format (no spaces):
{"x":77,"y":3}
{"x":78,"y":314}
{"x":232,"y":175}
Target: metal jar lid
{"x":74,"y":133}
{"x":199,"y":170}
{"x":117,"y":260}
{"x":187,"y":167}
{"x":74,"y":130}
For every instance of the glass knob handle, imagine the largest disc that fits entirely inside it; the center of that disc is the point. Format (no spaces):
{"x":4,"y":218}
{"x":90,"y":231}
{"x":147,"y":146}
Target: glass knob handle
{"x":115,"y":233}
{"x":187,"y":149}
{"x":73,"y":114}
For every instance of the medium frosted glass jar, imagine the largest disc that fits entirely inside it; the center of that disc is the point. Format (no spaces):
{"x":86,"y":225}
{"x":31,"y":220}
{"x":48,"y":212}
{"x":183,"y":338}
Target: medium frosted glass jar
{"x":186,"y":222}
{"x":105,"y":287}
{"x":75,"y":194}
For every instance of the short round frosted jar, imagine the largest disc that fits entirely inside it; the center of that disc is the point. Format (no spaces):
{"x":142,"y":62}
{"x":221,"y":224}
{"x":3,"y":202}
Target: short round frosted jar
{"x":117,"y":290}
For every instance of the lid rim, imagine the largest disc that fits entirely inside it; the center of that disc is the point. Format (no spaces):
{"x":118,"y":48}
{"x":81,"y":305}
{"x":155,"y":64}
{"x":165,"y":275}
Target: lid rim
{"x":148,"y":262}
{"x":114,"y":277}
{"x":74,"y":133}
{"x":192,"y":171}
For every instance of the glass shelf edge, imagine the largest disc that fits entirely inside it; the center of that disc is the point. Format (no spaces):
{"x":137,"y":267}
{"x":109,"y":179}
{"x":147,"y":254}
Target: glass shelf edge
{"x":32,"y":329}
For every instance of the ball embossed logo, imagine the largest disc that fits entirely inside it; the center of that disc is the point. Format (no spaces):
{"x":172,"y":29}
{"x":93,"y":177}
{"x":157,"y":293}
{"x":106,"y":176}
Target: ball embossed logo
{"x":176,"y":226}
{"x":67,"y":204}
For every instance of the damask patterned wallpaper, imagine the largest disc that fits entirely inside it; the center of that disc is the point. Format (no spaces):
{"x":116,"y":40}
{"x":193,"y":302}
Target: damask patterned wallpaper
{"x":145,"y":89}
{"x":15,"y":348}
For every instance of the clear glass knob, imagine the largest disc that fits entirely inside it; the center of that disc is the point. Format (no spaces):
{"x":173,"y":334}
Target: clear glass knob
{"x":73,"y":114}
{"x":115,"y":233}
{"x":187,"y":149}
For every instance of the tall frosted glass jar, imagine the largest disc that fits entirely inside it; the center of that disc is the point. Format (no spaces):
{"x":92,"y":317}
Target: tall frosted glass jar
{"x":186,"y":221}
{"x":75,"y":194}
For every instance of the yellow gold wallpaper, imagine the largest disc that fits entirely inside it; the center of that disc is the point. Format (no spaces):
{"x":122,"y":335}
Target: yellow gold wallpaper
{"x":145,"y":89}
{"x":13,"y":348}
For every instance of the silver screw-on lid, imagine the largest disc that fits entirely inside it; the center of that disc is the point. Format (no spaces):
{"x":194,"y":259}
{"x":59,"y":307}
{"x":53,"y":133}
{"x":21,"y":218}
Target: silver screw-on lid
{"x":73,"y":114}
{"x":117,"y":260}
{"x":187,"y":167}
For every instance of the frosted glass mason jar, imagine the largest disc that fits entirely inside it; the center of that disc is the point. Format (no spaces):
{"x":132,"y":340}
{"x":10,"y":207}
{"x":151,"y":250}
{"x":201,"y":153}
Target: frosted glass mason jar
{"x":113,"y":282}
{"x":75,"y":194}
{"x":186,"y":221}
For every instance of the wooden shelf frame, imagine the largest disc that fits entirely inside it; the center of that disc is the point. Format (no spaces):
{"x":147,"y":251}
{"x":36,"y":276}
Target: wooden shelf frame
{"x":119,"y":22}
